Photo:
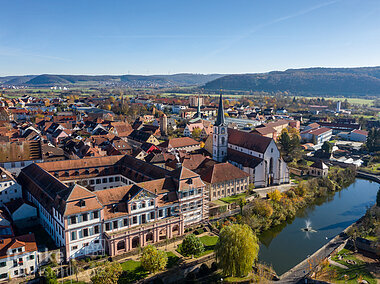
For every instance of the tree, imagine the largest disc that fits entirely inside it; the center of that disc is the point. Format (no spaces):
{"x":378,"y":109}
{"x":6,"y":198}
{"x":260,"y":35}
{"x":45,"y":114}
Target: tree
{"x":275,"y":195}
{"x":191,"y":245}
{"x":236,"y":250}
{"x":196,"y":132}
{"x":242,"y":202}
{"x":50,"y":276}
{"x":109,"y":273}
{"x":153,"y":259}
{"x":285,"y":142}
{"x":326,"y":149}
{"x":75,"y":268}
{"x":373,"y":140}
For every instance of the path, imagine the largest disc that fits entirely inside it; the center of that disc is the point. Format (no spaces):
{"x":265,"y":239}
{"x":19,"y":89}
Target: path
{"x":265,"y":190}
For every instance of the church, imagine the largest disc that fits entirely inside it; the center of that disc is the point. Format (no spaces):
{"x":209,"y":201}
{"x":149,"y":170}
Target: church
{"x":256,"y":155}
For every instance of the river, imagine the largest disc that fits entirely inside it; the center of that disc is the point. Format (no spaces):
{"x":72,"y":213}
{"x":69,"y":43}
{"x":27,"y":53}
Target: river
{"x":286,"y":245}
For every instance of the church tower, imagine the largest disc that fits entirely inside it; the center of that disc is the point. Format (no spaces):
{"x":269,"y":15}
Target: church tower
{"x":220,"y":135}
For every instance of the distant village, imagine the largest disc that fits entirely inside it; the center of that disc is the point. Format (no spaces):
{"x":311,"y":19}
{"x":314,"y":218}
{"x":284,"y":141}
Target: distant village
{"x":106,"y":176}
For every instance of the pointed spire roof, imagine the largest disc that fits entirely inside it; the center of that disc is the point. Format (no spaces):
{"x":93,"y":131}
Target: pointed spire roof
{"x":220,"y":117}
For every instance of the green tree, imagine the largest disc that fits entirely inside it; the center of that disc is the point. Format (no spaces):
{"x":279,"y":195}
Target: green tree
{"x":191,"y":245}
{"x":109,"y":273}
{"x":373,"y":140}
{"x":237,"y":250}
{"x":153,"y":259}
{"x":50,"y":276}
{"x":327,"y":149}
{"x":196,"y":132}
{"x":285,"y":142}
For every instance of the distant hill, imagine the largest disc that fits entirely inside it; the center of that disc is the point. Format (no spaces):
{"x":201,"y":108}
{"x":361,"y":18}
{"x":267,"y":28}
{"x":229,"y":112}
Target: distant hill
{"x":318,"y":81}
{"x":47,"y":80}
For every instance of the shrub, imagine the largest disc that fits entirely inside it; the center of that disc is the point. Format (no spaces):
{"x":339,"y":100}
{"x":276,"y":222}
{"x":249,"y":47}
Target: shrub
{"x":153,"y":259}
{"x":275,"y":195}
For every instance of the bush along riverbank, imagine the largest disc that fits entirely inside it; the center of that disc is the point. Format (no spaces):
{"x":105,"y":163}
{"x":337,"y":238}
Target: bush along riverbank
{"x":262,"y":214}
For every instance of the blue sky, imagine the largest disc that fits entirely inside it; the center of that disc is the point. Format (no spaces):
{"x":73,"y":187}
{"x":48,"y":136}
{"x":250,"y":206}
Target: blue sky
{"x":198,"y":36}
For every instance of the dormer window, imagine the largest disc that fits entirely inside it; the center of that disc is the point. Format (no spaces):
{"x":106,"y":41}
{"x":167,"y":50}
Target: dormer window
{"x":82,"y":203}
{"x":134,"y":207}
{"x":67,"y":174}
{"x":86,"y":172}
{"x":189,"y":181}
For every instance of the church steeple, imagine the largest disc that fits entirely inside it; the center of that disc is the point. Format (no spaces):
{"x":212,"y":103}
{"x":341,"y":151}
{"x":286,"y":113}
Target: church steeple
{"x":220,"y":117}
{"x":220,"y":135}
{"x":199,"y":114}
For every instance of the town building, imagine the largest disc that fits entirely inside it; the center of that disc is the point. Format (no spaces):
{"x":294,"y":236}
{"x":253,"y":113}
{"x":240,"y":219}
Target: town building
{"x":113,"y":204}
{"x":186,"y":144}
{"x":257,"y":155}
{"x":316,"y":136}
{"x":9,"y":188}
{"x":18,"y":257}
{"x":354,"y":135}
{"x":223,"y":180}
{"x":319,"y":169}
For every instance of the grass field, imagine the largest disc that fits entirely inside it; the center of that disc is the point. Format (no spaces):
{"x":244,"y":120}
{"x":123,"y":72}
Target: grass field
{"x":357,"y":101}
{"x":233,"y":198}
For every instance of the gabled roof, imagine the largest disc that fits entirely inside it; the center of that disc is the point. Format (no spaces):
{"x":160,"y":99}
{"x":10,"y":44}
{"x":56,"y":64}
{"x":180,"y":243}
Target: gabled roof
{"x":319,"y":165}
{"x":243,"y":159}
{"x":222,"y":172}
{"x":182,"y":173}
{"x":178,"y":142}
{"x":251,"y":141}
{"x":28,"y":241}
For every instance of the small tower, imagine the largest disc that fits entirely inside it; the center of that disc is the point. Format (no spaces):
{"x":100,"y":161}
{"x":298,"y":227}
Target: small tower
{"x":164,"y":124}
{"x":199,"y":114}
{"x":220,"y":135}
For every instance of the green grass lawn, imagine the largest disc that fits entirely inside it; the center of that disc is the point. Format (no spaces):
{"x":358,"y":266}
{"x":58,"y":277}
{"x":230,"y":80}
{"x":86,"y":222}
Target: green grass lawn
{"x":356,"y":101}
{"x":132,"y":272}
{"x":372,"y":168}
{"x":233,"y":198}
{"x":172,"y":259}
{"x":353,"y":272}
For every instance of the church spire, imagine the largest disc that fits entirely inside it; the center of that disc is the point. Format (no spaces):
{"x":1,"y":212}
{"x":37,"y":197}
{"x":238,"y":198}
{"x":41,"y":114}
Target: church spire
{"x":220,"y":117}
{"x":199,"y":115}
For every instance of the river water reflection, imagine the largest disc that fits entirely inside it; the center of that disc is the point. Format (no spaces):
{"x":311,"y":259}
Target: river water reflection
{"x":286,"y":245}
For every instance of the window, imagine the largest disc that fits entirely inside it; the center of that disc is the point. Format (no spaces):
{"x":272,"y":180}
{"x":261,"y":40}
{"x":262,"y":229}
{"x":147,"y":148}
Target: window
{"x":125,"y":222}
{"x":108,"y":226}
{"x":133,"y":206}
{"x":134,"y":220}
{"x":85,"y":232}
{"x":98,"y":181}
{"x":95,"y":214}
{"x":73,"y":219}
{"x":111,"y":179}
{"x":74,"y":247}
{"x":151,"y":202}
{"x":31,"y":268}
{"x":96,"y":229}
{"x":143,"y":204}
{"x":84,"y":217}
{"x":160,"y":213}
{"x":151,"y":215}
{"x":31,"y":257}
{"x":92,"y":181}
{"x":19,"y":250}
{"x":104,"y":180}
{"x":115,"y":224}
{"x":15,"y":272}
{"x":4,"y":275}
{"x":117,"y":178}
{"x":3,"y":264}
